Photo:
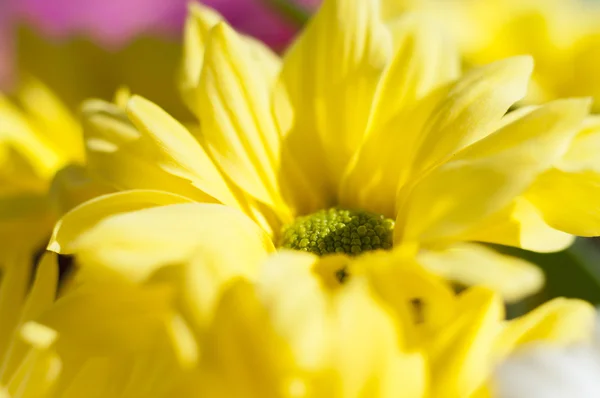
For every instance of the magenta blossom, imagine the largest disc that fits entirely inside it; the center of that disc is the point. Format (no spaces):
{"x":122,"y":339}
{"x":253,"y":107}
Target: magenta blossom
{"x":113,"y":23}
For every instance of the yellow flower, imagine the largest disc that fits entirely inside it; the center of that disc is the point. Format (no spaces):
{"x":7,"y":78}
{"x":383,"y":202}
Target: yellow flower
{"x":364,"y":136}
{"x":562,"y":36}
{"x":41,"y":148}
{"x":215,"y":325}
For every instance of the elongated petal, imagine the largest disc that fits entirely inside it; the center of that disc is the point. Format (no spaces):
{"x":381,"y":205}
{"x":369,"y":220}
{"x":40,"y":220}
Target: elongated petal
{"x":133,"y":245}
{"x":423,"y":62}
{"x":52,"y":119}
{"x":88,"y":214}
{"x":473,"y":264}
{"x":568,"y":201}
{"x":558,"y":322}
{"x":199,"y":22}
{"x":496,"y":169}
{"x":476,"y":102}
{"x":184,"y":154}
{"x":239,"y":129}
{"x":161,"y":155}
{"x":461,"y":353}
{"x":40,"y":298}
{"x":521,"y":225}
{"x":330,"y":74}
{"x":16,"y":130}
{"x":41,"y":364}
{"x":583,"y":151}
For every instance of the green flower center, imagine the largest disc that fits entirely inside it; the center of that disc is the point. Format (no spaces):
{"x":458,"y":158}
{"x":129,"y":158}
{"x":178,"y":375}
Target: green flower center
{"x":339,"y":231}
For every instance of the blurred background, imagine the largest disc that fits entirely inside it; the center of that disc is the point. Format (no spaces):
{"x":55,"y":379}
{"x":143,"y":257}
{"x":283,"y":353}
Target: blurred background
{"x":90,"y":48}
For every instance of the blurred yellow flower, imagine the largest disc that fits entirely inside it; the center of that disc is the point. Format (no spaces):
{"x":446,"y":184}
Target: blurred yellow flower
{"x":29,"y":365}
{"x":41,"y":154}
{"x":563,"y":36}
{"x":364,"y":136}
{"x":214,"y":325}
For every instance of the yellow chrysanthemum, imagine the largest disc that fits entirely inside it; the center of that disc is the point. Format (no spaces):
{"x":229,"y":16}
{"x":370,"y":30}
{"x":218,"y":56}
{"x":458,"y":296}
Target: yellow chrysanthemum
{"x":364,"y":136}
{"x":202,"y":321}
{"x":41,"y":148}
{"x":562,"y":36}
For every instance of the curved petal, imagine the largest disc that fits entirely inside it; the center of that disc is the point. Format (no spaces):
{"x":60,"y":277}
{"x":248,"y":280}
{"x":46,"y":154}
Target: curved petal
{"x":560,"y":322}
{"x":404,"y":100}
{"x":239,"y":129}
{"x":583,"y":151}
{"x":487,"y":176}
{"x":132,"y":246}
{"x":521,"y":225}
{"x":461,"y":354}
{"x":331,"y":73}
{"x":475,"y":103}
{"x":52,"y":119}
{"x":161,"y":155}
{"x":183,"y":153}
{"x":200,"y":21}
{"x":22,"y":136}
{"x":568,"y":201}
{"x":88,"y":214}
{"x":473,"y":264}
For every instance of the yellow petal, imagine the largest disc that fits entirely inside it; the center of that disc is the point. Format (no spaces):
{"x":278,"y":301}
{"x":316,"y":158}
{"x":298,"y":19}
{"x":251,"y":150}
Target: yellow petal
{"x":521,"y":225}
{"x":461,"y":354}
{"x":374,"y":366}
{"x":200,"y":20}
{"x":87,"y":215}
{"x":424,"y":61}
{"x":17,"y":173}
{"x":473,"y":264}
{"x":109,"y":318}
{"x":583,"y":151}
{"x":41,"y":367}
{"x":559,"y":322}
{"x":319,"y":334}
{"x":244,"y":356}
{"x":133,"y":245}
{"x":17,"y":131}
{"x":330,"y":74}
{"x":399,"y":282}
{"x":477,"y":101}
{"x":237,"y":123}
{"x":180,"y":147}
{"x":198,"y":24}
{"x":13,"y":290}
{"x":39,"y":299}
{"x":161,"y":155}
{"x":52,"y":118}
{"x":568,"y":201}
{"x":478,"y":181}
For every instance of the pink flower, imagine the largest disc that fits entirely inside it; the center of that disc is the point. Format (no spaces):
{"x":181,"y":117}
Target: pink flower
{"x":113,"y":23}
{"x":110,"y":23}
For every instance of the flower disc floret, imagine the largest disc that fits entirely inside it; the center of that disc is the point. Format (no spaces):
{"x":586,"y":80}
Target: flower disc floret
{"x":338,"y":230}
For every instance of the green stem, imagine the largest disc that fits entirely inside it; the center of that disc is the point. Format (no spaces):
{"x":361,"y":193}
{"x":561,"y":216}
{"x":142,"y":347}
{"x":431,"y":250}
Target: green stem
{"x":290,"y":10}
